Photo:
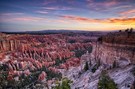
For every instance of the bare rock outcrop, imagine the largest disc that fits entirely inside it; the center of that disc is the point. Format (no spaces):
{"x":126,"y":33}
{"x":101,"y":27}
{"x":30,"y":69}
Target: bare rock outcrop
{"x":108,"y":53}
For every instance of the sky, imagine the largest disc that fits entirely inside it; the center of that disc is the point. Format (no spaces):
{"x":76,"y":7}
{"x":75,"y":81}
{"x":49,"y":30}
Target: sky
{"x":91,"y":15}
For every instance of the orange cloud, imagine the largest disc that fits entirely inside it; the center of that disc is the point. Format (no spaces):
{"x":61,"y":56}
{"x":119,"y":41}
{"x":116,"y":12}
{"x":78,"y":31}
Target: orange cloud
{"x":120,"y":21}
{"x":77,"y":18}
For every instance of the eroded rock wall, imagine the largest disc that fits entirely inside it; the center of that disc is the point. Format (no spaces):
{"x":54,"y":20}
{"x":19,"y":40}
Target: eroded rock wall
{"x":107,"y":53}
{"x":9,"y":45}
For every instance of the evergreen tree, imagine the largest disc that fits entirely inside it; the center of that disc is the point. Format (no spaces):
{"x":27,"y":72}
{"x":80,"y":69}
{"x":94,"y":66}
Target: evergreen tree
{"x":64,"y":85}
{"x":131,"y":30}
{"x":105,"y":82}
{"x":114,"y":64}
{"x":127,"y":30}
{"x":120,"y":31}
{"x":96,"y":66}
{"x":86,"y":67}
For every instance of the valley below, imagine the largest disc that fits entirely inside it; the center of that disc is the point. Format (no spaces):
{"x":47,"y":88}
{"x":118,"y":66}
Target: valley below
{"x":70,"y":60}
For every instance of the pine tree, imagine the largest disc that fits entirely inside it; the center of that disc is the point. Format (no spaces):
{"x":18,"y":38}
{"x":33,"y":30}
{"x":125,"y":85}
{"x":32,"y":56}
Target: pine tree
{"x":64,"y":85}
{"x":114,"y":64}
{"x":86,"y":67}
{"x":105,"y":82}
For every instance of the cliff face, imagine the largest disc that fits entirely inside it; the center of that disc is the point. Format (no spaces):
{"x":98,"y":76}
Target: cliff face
{"x":9,"y":45}
{"x":108,"y":53}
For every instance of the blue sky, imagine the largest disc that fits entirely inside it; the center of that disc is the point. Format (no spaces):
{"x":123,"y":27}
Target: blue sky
{"x":97,"y":15}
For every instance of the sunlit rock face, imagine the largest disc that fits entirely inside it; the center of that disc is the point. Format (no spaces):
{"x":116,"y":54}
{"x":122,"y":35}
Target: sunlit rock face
{"x":122,"y":77}
{"x":108,"y":53}
{"x":9,"y":45}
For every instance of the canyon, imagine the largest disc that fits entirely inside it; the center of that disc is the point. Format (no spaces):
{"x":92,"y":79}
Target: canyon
{"x":117,"y":59}
{"x":39,"y":61}
{"x":107,"y":54}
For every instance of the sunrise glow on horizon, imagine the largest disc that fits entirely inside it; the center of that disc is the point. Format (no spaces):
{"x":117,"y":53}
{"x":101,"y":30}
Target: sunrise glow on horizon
{"x":91,"y":15}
